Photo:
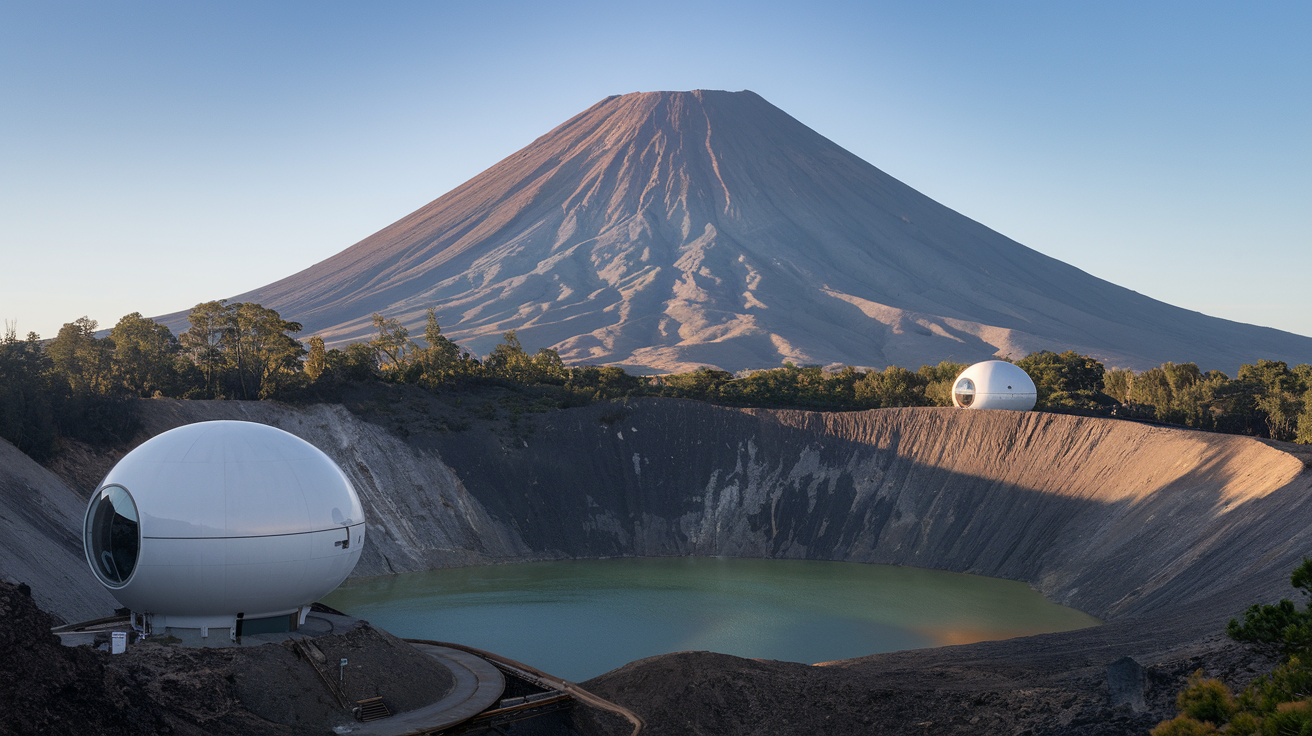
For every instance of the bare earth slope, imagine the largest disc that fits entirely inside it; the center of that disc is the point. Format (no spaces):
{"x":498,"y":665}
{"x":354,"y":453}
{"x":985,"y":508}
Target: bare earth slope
{"x":1112,"y":517}
{"x":667,"y":230}
{"x":41,"y":539}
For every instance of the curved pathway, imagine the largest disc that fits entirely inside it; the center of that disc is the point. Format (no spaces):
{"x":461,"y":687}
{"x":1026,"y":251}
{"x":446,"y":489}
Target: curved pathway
{"x":555,"y":682}
{"x":478,"y":686}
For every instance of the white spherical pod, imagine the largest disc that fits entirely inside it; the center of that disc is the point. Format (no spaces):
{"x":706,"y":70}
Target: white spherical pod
{"x":994,"y":384}
{"x":214,"y":522}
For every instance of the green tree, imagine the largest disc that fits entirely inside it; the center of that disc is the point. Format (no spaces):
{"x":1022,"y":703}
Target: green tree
{"x":547,"y":367}
{"x":1234,"y":405}
{"x":1180,"y":394}
{"x":80,"y":358}
{"x":1277,"y":396}
{"x":26,"y":415}
{"x":1281,"y":623}
{"x":1194,"y":395}
{"x":356,"y":362}
{"x":262,"y":352}
{"x":443,"y":361}
{"x":941,"y":377}
{"x":1064,"y":379}
{"x":841,"y":386}
{"x":893,"y":387}
{"x":317,"y":359}
{"x":703,"y":384}
{"x":1305,"y":420}
{"x":242,"y":350}
{"x":1271,"y":375}
{"x":603,"y":383}
{"x":1116,"y":384}
{"x":145,"y":356}
{"x":772,"y":387}
{"x":78,"y":394}
{"x":393,"y":346}
{"x":508,"y":359}
{"x":1152,"y":388}
{"x":205,"y":343}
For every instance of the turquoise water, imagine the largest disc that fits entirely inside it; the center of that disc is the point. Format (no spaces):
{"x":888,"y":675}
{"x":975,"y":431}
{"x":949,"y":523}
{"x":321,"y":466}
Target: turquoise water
{"x":580,"y":618}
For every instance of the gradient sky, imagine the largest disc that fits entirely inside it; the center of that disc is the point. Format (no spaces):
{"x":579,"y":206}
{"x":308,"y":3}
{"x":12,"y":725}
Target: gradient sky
{"x":158,"y":154}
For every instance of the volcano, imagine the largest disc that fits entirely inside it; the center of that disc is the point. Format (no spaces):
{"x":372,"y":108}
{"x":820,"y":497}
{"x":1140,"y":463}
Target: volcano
{"x":663,"y":231}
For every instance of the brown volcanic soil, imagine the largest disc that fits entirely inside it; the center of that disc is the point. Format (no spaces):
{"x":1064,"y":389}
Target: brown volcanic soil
{"x":47,"y":688}
{"x":1041,"y":685}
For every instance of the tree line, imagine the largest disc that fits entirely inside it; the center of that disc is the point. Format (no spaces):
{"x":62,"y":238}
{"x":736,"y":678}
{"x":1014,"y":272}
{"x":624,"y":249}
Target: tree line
{"x":77,"y":384}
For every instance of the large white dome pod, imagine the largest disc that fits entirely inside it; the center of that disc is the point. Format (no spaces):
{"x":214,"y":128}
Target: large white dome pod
{"x":223,"y":524}
{"x":994,"y":384}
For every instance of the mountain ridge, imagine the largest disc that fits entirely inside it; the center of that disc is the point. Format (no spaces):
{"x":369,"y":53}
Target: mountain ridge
{"x":661,"y":231}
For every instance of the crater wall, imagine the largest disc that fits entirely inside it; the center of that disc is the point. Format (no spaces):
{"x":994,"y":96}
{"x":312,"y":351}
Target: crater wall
{"x":1115,"y":518}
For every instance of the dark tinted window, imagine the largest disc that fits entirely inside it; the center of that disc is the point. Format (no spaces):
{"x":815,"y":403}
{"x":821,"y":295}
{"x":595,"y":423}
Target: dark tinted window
{"x":112,"y":537}
{"x":964,"y":392}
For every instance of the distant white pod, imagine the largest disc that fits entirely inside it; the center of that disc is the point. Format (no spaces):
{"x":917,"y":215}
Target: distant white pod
{"x":214,"y":522}
{"x":994,"y":384}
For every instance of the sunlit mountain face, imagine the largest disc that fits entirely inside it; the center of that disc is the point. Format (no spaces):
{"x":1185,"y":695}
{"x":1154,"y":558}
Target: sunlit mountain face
{"x":663,"y":231}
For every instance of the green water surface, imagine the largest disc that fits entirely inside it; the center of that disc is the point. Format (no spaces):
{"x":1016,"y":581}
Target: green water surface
{"x":580,"y":618}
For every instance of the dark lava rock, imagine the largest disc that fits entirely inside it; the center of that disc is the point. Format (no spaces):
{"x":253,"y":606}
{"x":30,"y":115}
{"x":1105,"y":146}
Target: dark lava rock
{"x":1126,"y":684}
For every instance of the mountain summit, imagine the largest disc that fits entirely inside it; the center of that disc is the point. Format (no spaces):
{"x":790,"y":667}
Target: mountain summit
{"x":668,"y":230}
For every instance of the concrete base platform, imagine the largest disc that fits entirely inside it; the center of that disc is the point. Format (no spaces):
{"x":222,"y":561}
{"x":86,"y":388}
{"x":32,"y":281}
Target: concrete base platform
{"x":97,"y":633}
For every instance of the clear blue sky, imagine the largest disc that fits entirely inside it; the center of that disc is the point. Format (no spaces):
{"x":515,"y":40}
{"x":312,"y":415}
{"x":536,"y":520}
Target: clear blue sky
{"x":158,"y":154}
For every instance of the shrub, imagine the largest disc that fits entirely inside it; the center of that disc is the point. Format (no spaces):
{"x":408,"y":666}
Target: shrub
{"x":1244,"y":724}
{"x":1290,"y":719}
{"x":1281,"y":623}
{"x":1206,"y":699}
{"x":1275,"y":704}
{"x":1183,"y":726}
{"x":1289,"y":682}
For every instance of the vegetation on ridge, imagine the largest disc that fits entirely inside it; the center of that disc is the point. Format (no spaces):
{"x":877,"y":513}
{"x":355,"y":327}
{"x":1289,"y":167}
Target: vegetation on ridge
{"x":76,"y":385}
{"x":1275,"y":704}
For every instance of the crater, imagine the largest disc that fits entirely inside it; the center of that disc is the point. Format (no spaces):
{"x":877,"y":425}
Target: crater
{"x":1162,"y":533}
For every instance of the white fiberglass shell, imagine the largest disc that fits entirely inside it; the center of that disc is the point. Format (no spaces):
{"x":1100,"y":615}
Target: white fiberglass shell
{"x":229,"y":518}
{"x":994,"y":384}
